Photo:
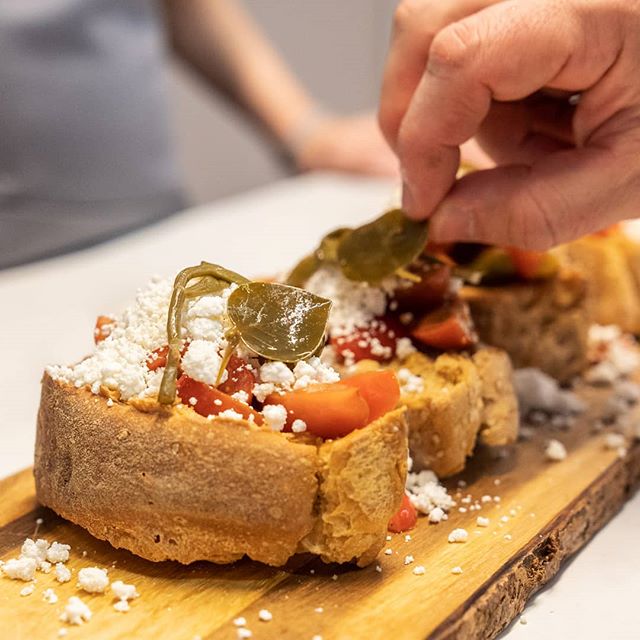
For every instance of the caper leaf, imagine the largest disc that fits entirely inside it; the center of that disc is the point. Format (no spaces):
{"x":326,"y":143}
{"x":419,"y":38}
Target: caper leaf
{"x":277,"y":321}
{"x":327,"y":252}
{"x":376,"y":250}
{"x":301,"y":273}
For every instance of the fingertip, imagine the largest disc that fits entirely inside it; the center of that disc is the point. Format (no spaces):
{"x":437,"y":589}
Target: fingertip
{"x":448,"y":225}
{"x":409,"y":203}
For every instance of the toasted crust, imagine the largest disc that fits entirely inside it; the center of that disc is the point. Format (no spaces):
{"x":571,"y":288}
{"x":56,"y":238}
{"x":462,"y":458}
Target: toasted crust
{"x":611,"y":267}
{"x":464,"y":398}
{"x":539,"y":324}
{"x":172,"y":485}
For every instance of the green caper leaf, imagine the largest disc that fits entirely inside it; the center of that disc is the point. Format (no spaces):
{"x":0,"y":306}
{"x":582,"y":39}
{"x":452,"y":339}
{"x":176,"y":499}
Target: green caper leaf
{"x":301,"y":273}
{"x":327,"y":252}
{"x":376,"y":250}
{"x":277,"y":321}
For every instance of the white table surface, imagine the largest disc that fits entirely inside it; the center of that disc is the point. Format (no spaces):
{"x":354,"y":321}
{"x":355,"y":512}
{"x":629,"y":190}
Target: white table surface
{"x":47,"y":312}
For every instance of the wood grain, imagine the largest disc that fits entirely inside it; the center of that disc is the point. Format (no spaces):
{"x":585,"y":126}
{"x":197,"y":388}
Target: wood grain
{"x":557,"y":508}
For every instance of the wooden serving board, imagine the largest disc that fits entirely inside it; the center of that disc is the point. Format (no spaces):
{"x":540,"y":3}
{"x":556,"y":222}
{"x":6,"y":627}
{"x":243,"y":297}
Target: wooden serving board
{"x":558,"y":507}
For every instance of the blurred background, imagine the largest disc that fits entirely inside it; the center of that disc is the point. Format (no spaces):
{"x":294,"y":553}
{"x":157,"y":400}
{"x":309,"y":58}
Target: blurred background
{"x":336,"y":48}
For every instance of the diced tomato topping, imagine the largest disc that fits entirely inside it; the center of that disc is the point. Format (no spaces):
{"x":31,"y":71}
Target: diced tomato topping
{"x":380,"y":389}
{"x":103,"y":328}
{"x":240,"y":378}
{"x":376,"y":342}
{"x":431,"y":291}
{"x":449,"y":327}
{"x":406,"y":517}
{"x":329,"y":410}
{"x":209,"y":401}
{"x":532,"y":265}
{"x":158,"y":358}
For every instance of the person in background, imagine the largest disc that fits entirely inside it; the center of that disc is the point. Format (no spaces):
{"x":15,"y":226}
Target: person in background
{"x":85,"y":151}
{"x":549,"y":88}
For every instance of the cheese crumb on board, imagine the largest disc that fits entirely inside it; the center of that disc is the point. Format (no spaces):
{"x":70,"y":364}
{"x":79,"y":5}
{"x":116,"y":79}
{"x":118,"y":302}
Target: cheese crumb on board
{"x":555,"y":451}
{"x":122,"y":606}
{"x":58,"y":552}
{"x":240,"y":622}
{"x":36,"y":550}
{"x":265,"y":615}
{"x":482,"y":522}
{"x":243,"y":634}
{"x":62,"y":573}
{"x":408,"y":559}
{"x":93,"y":580}
{"x":76,"y":612}
{"x":124,"y":593}
{"x":427,"y":494}
{"x":28,"y":590}
{"x":419,"y":570}
{"x":614,"y":440}
{"x":458,"y":535}
{"x":49,"y":596}
{"x":22,"y":568}
{"x":456,"y":571}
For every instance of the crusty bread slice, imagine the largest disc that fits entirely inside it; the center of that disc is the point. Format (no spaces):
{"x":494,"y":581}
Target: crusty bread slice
{"x":172,"y":485}
{"x":610,"y":265}
{"x":539,"y":324}
{"x":463,"y":398}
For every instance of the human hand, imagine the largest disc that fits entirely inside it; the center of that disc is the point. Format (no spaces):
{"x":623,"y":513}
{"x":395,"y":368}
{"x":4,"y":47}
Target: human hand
{"x":503,"y":74}
{"x":350,"y":144}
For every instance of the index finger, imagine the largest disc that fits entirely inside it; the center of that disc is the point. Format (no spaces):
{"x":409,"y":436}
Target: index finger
{"x":505,"y":52}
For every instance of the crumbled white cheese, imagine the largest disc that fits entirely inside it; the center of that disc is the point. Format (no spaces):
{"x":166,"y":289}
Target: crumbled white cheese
{"x":265,"y":615}
{"x":124,"y":591}
{"x":427,"y":494}
{"x":537,"y":390}
{"x":243,"y":634}
{"x":482,"y":522}
{"x":44,"y":566}
{"x":93,"y":579}
{"x":263,"y":389}
{"x":75,"y":611}
{"x":62,"y":573}
{"x":58,"y":552}
{"x":355,"y":304}
{"x":278,"y":373}
{"x":36,"y":550}
{"x":231,"y":414}
{"x":419,"y":570}
{"x":49,"y":596}
{"x":121,"y":606}
{"x":241,"y":395}
{"x":28,"y":590}
{"x":456,"y":571}
{"x":555,"y":451}
{"x":408,"y":559}
{"x":311,"y":371}
{"x":23,"y":568}
{"x":202,"y":362}
{"x":614,"y":440}
{"x":240,"y":622}
{"x":409,"y":382}
{"x":275,"y":416}
{"x":404,"y":348}
{"x":614,"y":353}
{"x":298,"y":426}
{"x":458,"y":535}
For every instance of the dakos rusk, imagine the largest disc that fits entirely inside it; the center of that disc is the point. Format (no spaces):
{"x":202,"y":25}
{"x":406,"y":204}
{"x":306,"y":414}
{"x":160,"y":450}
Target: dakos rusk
{"x":203,"y":427}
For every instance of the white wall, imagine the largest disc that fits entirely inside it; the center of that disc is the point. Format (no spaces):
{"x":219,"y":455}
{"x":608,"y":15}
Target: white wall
{"x":336,"y":47}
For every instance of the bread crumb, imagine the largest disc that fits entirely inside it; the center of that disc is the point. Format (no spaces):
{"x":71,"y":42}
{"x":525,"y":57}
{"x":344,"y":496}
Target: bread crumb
{"x":458,"y":535}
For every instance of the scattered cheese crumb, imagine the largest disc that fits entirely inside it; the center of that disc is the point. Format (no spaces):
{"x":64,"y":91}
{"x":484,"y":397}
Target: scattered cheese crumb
{"x":243,"y":633}
{"x":265,"y":615}
{"x":49,"y":595}
{"x":122,"y":606}
{"x":504,"y":519}
{"x":28,"y":590}
{"x":62,"y":573}
{"x":427,"y":494}
{"x":555,"y":451}
{"x":22,"y":568}
{"x":436,"y":515}
{"x":378,"y":568}
{"x":319,"y":610}
{"x":93,"y":580}
{"x":404,"y":348}
{"x":614,"y":441}
{"x":75,"y":611}
{"x":508,"y":537}
{"x":419,"y":570}
{"x":388,"y":552}
{"x":298,"y":426}
{"x":240,"y":622}
{"x":408,"y":559}
{"x":230,"y":414}
{"x":275,"y":416}
{"x":458,"y":535}
{"x":456,"y":571}
{"x":124,"y":591}
{"x":36,"y":550}
{"x":110,"y":404}
{"x":62,"y":632}
{"x":202,"y":362}
{"x":407,"y":538}
{"x":482,"y":522}
{"x":409,"y":382}
{"x":523,"y":620}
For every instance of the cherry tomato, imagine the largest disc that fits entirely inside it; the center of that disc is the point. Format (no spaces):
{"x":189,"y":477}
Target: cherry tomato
{"x":376,"y":342}
{"x":380,"y":389}
{"x":209,"y":401}
{"x":431,"y":291}
{"x":449,"y":327}
{"x":406,"y":517}
{"x":241,"y":378}
{"x":103,"y":328}
{"x":533,"y":265}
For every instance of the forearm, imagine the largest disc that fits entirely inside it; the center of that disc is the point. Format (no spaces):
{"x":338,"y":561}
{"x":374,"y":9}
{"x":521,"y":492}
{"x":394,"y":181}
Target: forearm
{"x":220,"y":41}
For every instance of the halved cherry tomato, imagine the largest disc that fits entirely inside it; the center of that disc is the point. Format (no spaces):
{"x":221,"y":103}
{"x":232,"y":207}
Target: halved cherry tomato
{"x":449,"y":327}
{"x":240,"y":378}
{"x":329,"y":410}
{"x":380,"y":389}
{"x":533,"y":265}
{"x":406,"y":517}
{"x":158,"y":357}
{"x":211,"y":401}
{"x":376,"y":342}
{"x":103,"y":328}
{"x":431,"y":291}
